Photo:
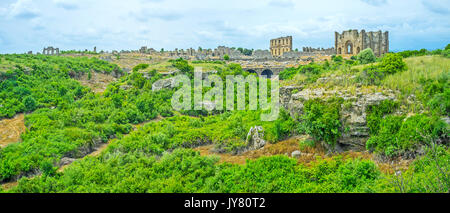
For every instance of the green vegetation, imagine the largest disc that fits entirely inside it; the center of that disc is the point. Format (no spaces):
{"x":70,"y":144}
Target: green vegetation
{"x":33,"y":82}
{"x":150,"y":146}
{"x":423,"y":52}
{"x":398,"y":136}
{"x":321,"y":120}
{"x":245,"y":51}
{"x":366,"y":56}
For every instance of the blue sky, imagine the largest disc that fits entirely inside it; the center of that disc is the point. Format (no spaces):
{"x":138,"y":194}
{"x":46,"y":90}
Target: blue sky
{"x":115,"y":25}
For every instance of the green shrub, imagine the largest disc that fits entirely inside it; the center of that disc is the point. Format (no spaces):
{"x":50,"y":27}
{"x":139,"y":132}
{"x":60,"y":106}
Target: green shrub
{"x":30,"y":103}
{"x":337,"y":59}
{"x":184,"y":67}
{"x":322,"y":120}
{"x":398,"y":136}
{"x":392,"y":63}
{"x":375,"y":114}
{"x":140,"y":67}
{"x":366,"y":56}
{"x":226,"y":57}
{"x":371,"y":75}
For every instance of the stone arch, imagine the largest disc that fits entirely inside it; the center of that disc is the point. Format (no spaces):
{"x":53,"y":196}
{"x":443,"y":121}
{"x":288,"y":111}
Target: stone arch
{"x":252,"y":71}
{"x":267,"y":73}
{"x":339,"y":50}
{"x":348,"y":47}
{"x":358,"y":50}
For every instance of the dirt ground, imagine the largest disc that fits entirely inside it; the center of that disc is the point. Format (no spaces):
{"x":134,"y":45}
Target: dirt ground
{"x":309,"y":154}
{"x":98,"y":81}
{"x":10,"y":130}
{"x":285,"y":147}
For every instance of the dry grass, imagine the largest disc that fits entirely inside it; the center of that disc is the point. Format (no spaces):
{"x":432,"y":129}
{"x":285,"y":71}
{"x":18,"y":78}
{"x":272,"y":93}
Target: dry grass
{"x":11,"y":129}
{"x":424,"y":67}
{"x":310,"y":155}
{"x":281,"y":148}
{"x":98,"y":82}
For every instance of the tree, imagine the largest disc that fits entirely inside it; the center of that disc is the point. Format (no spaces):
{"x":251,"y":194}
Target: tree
{"x":226,"y":57}
{"x":366,"y":56}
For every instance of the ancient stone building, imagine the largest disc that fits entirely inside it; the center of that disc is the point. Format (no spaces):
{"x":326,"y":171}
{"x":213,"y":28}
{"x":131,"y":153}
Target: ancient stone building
{"x":352,"y":42}
{"x":280,"y":45}
{"x":50,"y":51}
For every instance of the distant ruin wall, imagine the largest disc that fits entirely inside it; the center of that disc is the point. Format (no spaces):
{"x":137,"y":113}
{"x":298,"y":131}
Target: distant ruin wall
{"x":281,"y":45}
{"x":352,"y":42}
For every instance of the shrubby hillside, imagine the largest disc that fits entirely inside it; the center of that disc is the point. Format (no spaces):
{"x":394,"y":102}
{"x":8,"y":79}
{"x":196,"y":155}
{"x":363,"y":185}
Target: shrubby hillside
{"x":364,"y":112}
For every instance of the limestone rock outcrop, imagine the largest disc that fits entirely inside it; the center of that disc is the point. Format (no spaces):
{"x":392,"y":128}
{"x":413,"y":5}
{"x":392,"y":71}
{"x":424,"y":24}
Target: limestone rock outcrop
{"x":353,"y":113}
{"x":255,"y":138}
{"x":168,"y":83}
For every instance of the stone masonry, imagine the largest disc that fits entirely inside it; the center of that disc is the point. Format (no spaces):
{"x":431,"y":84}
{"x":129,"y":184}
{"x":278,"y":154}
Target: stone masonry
{"x":352,"y":42}
{"x":280,"y":45}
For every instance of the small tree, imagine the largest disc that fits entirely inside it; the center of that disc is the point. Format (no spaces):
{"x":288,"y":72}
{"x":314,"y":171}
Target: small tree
{"x":366,"y":56}
{"x":226,"y":57}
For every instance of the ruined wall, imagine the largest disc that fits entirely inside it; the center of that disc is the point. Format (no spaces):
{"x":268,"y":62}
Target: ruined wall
{"x":280,"y":45}
{"x":352,"y":42}
{"x":50,"y":51}
{"x":322,"y":51}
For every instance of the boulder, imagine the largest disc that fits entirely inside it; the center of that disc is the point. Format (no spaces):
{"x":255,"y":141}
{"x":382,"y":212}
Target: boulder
{"x":255,"y":138}
{"x":167,"y":83}
{"x":353,"y":115}
{"x":296,"y":154}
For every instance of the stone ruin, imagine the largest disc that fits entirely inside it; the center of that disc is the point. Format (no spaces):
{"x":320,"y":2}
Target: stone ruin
{"x":199,"y":54}
{"x":352,"y":42}
{"x":281,"y":45}
{"x":322,"y":51}
{"x":146,"y":50}
{"x":50,"y":51}
{"x":349,"y":42}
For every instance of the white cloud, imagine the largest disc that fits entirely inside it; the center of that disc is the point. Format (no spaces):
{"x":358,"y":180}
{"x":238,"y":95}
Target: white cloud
{"x":281,"y":3}
{"x":375,"y":2}
{"x":169,"y":24}
{"x":23,"y":9}
{"x":67,"y":4}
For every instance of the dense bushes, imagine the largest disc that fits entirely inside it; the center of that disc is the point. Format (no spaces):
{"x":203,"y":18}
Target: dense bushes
{"x":44,"y":81}
{"x":409,"y":53}
{"x":436,"y":95}
{"x":321,"y":119}
{"x":405,"y":136}
{"x":312,"y":70}
{"x":183,"y":66}
{"x":375,"y":114}
{"x":79,"y":120}
{"x":390,"y":64}
{"x":186,"y":171}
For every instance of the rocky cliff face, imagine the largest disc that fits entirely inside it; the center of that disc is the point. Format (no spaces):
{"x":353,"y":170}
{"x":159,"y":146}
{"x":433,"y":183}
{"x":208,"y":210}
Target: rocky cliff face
{"x":353,"y":112}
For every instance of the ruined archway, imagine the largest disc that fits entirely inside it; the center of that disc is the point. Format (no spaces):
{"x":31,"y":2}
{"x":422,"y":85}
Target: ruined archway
{"x":268,"y":73}
{"x":252,"y":72}
{"x":349,"y":47}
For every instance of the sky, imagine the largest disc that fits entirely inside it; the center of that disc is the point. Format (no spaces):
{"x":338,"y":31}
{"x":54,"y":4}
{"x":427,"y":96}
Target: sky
{"x":129,"y":24}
